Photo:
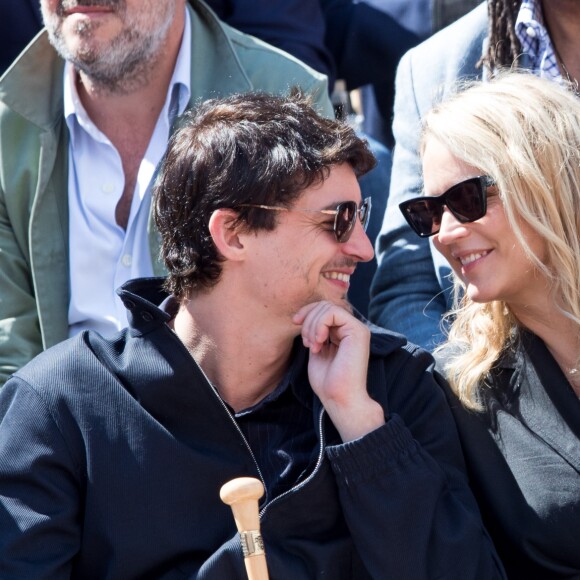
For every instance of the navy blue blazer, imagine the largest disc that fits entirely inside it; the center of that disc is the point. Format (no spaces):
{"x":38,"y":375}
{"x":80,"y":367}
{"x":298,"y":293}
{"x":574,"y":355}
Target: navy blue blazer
{"x":20,"y":20}
{"x":358,"y":42}
{"x":406,"y":293}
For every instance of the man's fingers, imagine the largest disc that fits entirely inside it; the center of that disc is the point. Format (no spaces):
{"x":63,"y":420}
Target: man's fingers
{"x":300,"y":316}
{"x":323,"y":321}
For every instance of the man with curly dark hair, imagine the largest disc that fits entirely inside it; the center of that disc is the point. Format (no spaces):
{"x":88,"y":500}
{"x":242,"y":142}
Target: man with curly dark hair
{"x":113,"y":451}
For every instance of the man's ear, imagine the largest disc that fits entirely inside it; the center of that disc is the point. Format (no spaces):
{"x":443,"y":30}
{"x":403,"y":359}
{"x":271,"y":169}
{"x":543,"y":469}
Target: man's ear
{"x":225,"y":234}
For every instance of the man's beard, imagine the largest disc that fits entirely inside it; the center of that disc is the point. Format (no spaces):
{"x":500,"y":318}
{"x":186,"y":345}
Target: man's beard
{"x":125,"y":63}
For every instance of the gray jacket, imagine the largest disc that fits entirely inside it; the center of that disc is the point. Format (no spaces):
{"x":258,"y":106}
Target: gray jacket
{"x":523,"y":458}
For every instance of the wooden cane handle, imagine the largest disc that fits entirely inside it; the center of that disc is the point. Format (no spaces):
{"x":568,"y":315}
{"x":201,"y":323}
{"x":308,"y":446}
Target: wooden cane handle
{"x":242,"y":495}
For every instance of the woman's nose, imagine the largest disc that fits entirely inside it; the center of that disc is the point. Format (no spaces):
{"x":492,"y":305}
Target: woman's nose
{"x":451,"y":228}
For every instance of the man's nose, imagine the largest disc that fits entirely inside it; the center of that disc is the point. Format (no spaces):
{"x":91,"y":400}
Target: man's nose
{"x":359,"y":245}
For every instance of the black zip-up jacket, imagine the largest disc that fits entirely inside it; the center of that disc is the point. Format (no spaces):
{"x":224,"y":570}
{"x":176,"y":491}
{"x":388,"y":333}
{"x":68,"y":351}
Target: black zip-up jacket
{"x":112,"y":454}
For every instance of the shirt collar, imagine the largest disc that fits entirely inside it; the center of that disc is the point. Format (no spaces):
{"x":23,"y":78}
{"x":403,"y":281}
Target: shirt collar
{"x":295,"y":378}
{"x":177,"y":99}
{"x":533,"y":35}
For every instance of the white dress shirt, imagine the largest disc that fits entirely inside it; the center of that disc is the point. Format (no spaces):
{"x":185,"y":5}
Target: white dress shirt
{"x":102,"y":254}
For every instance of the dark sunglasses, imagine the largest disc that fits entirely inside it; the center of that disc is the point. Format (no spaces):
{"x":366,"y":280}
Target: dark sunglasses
{"x":466,"y":200}
{"x":345,"y":215}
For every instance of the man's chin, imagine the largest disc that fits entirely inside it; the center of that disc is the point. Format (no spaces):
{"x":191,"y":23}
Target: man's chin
{"x":341,"y":301}
{"x":346,"y":305}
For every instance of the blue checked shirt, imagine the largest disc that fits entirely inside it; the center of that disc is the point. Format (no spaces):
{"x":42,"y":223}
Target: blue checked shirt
{"x":535,"y":40}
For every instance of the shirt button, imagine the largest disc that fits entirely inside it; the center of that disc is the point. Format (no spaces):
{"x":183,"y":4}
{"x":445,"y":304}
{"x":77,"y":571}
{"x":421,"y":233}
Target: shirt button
{"x":531,"y":32}
{"x":108,"y":187}
{"x":126,"y":260}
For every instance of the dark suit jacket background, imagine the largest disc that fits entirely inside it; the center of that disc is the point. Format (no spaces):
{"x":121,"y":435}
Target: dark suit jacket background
{"x":353,"y":41}
{"x":20,"y":20}
{"x":367,"y":44}
{"x":295,"y":26}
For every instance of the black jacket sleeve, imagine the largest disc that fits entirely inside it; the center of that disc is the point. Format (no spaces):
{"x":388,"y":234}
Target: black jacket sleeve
{"x":403,"y":487}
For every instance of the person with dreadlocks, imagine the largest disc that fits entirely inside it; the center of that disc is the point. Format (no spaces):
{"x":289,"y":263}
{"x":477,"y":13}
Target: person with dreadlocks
{"x":411,"y":289}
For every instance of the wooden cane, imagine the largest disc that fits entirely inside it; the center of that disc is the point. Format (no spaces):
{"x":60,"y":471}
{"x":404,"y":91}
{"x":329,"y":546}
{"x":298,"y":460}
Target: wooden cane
{"x":242,"y":495}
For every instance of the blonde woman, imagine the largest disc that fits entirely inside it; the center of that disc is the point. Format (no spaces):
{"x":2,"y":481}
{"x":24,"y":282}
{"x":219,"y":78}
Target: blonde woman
{"x":501,"y":164}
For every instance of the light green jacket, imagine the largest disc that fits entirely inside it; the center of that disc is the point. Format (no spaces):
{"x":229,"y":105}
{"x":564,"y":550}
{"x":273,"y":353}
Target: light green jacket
{"x":34,"y":267}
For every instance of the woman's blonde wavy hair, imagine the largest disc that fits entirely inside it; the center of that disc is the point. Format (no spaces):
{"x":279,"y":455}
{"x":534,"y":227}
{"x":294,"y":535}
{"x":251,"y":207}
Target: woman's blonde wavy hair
{"x":524,"y":132}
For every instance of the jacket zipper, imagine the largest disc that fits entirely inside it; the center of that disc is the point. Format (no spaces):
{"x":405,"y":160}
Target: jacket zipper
{"x":231,"y":417}
{"x":233,"y":420}
{"x":310,"y":477}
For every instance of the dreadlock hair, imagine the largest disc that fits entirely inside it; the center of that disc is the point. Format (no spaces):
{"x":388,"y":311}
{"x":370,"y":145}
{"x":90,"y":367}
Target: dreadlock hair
{"x":504,"y":48}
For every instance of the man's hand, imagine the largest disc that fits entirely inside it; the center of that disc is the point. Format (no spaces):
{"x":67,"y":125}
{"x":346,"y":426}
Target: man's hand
{"x":337,"y":369}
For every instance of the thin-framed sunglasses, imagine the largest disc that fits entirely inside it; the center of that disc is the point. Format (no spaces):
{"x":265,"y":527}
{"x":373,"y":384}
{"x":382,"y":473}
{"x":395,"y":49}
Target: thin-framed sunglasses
{"x":345,"y":215}
{"x":466,"y":200}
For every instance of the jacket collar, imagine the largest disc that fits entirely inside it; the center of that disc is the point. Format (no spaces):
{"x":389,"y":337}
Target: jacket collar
{"x":143,"y":297}
{"x":529,"y":384}
{"x":37,"y":71}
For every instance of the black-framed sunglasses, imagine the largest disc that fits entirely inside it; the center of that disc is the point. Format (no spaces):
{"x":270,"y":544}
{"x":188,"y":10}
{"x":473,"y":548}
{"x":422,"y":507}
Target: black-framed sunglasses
{"x":466,"y":200}
{"x":345,"y":215}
